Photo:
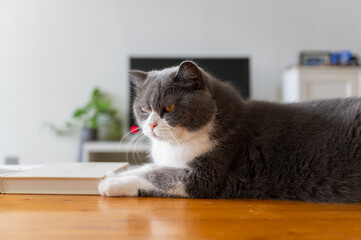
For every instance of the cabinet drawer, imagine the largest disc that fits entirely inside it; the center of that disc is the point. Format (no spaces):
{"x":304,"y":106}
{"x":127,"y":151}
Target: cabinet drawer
{"x":316,"y":86}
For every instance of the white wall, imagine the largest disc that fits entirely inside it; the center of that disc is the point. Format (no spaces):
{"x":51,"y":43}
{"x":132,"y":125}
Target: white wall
{"x":52,"y":53}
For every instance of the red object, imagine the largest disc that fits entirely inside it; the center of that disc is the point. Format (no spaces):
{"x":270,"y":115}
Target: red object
{"x":134,"y":129}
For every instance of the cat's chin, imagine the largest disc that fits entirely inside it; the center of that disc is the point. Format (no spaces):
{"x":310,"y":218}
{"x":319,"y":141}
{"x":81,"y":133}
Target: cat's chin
{"x":154,"y":136}
{"x":159,"y":138}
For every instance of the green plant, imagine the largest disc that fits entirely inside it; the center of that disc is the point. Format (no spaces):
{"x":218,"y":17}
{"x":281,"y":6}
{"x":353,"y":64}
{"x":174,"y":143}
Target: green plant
{"x":98,"y":104}
{"x":88,"y":116}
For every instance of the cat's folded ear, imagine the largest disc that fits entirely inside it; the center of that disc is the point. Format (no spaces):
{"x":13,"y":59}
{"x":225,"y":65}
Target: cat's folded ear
{"x":137,"y":77}
{"x":190,"y":74}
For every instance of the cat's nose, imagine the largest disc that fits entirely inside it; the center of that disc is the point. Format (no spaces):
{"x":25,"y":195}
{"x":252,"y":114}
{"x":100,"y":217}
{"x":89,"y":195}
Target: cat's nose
{"x":153,"y":125}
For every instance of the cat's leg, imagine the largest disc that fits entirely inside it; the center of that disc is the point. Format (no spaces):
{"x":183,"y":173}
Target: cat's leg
{"x":126,"y":183}
{"x":205,"y":177}
{"x":167,"y":182}
{"x":134,"y":171}
{"x":146,"y":181}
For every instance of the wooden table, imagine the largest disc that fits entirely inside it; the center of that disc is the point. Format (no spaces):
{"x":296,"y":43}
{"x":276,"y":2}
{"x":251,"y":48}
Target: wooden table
{"x":93,"y":217}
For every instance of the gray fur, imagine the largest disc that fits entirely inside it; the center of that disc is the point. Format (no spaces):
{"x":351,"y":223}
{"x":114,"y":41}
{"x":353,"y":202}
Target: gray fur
{"x":308,"y":151}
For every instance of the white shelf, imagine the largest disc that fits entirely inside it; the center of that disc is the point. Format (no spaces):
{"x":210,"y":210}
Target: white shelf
{"x":302,"y":83}
{"x":112,"y":147}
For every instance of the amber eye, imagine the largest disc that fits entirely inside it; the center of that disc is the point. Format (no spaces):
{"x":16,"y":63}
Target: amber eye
{"x":143,"y":109}
{"x":170,"y":108}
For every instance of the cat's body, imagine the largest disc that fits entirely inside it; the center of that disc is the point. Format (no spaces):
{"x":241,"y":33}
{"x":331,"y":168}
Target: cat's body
{"x":224,"y":147}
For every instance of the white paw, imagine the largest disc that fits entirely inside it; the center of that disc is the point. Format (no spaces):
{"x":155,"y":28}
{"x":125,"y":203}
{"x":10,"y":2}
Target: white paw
{"x":122,"y":186}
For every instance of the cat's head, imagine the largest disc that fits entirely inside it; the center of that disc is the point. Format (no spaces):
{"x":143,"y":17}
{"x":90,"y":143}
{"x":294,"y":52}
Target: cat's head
{"x":172,"y":104}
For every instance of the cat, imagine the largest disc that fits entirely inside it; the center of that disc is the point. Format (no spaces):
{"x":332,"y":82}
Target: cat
{"x":207,"y":142}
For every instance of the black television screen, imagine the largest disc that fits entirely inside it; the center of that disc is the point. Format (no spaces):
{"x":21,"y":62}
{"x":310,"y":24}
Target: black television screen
{"x":234,"y":70}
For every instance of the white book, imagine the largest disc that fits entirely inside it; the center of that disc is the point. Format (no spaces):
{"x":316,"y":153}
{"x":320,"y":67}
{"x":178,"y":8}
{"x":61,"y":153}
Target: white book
{"x":61,"y":178}
{"x":10,"y":169}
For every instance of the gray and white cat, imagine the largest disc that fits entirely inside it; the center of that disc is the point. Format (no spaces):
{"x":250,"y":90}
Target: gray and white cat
{"x":209,"y":143}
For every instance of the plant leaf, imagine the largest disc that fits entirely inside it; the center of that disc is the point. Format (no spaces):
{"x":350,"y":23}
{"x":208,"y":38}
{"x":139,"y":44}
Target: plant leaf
{"x":103,"y":106}
{"x":96,"y":92}
{"x":79,"y":112}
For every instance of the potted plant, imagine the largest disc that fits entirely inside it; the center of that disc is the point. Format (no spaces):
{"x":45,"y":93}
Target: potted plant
{"x":97,"y":119}
{"x":96,"y":115}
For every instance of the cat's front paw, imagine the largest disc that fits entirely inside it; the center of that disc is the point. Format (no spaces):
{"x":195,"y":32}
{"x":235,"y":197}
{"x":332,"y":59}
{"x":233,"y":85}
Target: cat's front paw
{"x":121,"y":186}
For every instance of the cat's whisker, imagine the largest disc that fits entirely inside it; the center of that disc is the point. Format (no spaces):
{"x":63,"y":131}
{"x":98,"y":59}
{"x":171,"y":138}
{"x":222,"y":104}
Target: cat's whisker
{"x":139,"y":146}
{"x":144,"y":140}
{"x":135,"y":154}
{"x":175,"y":134}
{"x":179,"y":140}
{"x":132,"y":145}
{"x":174,"y":140}
{"x":127,"y":154}
{"x":121,"y":141}
{"x":133,"y":140}
{"x":172,"y":137}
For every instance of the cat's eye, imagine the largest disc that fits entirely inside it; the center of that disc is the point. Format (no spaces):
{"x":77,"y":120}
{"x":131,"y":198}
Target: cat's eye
{"x":143,"y":109}
{"x":170,"y":108}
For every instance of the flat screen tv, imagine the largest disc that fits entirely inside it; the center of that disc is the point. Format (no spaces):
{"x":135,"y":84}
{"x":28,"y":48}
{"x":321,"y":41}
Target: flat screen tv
{"x":233,"y":70}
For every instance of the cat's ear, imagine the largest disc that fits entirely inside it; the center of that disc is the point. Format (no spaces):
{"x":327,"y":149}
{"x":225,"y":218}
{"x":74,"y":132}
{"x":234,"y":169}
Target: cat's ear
{"x":137,"y":77}
{"x":189,"y":73}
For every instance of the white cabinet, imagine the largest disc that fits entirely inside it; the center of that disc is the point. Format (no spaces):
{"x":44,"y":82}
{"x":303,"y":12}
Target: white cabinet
{"x":133,"y":153}
{"x":302,"y":83}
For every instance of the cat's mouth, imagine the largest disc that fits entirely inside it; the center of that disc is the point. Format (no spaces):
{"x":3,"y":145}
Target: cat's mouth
{"x":162,"y":134}
{"x":159,"y":136}
{"x":155,"y":135}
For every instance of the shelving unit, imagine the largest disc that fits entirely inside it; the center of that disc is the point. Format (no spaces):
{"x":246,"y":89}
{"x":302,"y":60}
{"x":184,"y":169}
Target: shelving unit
{"x":116,"y":152}
{"x":302,"y":83}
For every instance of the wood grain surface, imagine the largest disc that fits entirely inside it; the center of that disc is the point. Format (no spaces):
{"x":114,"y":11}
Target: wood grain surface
{"x":93,"y":217}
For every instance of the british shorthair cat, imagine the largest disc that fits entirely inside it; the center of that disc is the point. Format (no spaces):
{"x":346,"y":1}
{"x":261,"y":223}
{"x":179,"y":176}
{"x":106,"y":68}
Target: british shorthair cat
{"x":207,"y":142}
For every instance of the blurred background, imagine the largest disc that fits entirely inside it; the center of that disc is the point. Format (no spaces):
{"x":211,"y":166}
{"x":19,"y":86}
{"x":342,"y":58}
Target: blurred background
{"x":60,"y":60}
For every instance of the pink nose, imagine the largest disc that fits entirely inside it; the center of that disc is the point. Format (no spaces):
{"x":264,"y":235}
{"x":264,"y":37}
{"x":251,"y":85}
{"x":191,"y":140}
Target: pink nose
{"x":153,"y":125}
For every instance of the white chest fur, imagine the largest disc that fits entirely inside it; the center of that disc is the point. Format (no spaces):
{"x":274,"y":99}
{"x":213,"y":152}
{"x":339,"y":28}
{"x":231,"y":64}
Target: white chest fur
{"x":179,"y":155}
